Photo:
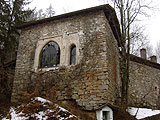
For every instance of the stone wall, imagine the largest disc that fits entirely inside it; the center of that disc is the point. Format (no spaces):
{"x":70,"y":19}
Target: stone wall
{"x":93,"y":81}
{"x":144,"y":89}
{"x":95,"y":78}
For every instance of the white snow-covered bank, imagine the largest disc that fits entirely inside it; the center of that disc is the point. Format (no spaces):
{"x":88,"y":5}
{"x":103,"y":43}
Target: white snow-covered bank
{"x":142,"y":112}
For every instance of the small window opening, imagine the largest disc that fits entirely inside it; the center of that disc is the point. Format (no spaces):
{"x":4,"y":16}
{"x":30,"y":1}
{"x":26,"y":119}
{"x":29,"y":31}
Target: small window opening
{"x":50,"y":55}
{"x":73,"y":55}
{"x":105,"y":115}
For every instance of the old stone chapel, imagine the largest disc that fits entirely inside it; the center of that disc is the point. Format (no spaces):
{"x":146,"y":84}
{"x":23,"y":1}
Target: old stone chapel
{"x":77,"y":54}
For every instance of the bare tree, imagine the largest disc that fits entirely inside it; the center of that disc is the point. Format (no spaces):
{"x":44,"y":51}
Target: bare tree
{"x":157,"y":50}
{"x":138,"y":40}
{"x":67,"y":9}
{"x":41,"y":14}
{"x":150,"y":52}
{"x":36,"y":15}
{"x":128,"y":11}
{"x":49,"y":11}
{"x":33,"y":16}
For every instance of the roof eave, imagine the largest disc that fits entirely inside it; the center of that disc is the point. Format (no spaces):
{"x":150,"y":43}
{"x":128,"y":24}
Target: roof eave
{"x":108,"y":10}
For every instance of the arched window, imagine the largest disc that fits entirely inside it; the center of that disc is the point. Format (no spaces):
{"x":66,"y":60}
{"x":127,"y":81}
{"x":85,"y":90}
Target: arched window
{"x":50,"y":55}
{"x":73,"y":55}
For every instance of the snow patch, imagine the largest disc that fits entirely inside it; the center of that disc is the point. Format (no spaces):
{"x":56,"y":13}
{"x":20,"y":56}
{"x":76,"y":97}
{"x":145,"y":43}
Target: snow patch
{"x":62,"y":109}
{"x":42,"y":100}
{"x":48,"y":110}
{"x":16,"y":116}
{"x":142,"y":112}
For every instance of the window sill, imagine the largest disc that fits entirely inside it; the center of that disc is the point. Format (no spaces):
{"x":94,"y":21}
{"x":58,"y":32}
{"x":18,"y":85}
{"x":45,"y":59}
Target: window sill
{"x":52,"y":68}
{"x":48,"y":69}
{"x":45,"y":69}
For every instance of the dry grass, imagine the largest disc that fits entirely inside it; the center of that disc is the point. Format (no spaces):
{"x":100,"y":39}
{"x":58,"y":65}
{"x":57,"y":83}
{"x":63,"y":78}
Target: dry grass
{"x":4,"y":108}
{"x":35,"y":106}
{"x":72,"y":106}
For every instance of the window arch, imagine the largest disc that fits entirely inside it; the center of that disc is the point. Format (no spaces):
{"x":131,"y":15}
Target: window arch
{"x":73,"y":55}
{"x":50,"y":55}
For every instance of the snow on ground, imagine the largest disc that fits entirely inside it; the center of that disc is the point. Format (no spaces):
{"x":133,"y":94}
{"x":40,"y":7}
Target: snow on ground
{"x":1,"y":115}
{"x":40,"y":109}
{"x":42,"y":100}
{"x":142,"y":112}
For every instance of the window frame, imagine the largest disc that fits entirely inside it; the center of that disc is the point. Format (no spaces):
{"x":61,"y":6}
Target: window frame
{"x":41,"y":55}
{"x":70,"y":55}
{"x":64,"y":42}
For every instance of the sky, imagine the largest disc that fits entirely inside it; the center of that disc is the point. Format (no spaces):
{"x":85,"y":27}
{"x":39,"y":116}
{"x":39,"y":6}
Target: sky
{"x":152,"y":24}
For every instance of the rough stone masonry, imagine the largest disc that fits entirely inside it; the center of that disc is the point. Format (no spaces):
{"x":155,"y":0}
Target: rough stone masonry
{"x":95,"y":78}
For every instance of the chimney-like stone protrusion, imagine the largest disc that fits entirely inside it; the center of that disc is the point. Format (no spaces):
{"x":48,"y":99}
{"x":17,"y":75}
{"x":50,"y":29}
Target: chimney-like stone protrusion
{"x":153,"y":58}
{"x":143,"y":53}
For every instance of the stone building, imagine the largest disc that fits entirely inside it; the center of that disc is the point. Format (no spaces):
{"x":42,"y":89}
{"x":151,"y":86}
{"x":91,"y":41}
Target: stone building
{"x":77,"y":55}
